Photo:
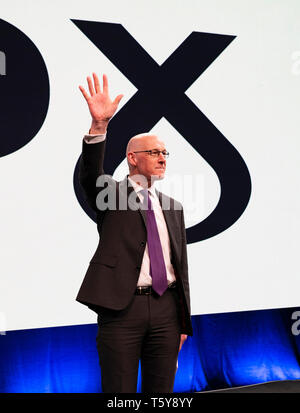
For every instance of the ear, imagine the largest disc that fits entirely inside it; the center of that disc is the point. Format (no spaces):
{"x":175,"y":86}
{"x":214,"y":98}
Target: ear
{"x":131,"y":158}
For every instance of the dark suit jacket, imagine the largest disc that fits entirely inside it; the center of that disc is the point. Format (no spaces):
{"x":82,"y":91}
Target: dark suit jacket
{"x":113,"y":272}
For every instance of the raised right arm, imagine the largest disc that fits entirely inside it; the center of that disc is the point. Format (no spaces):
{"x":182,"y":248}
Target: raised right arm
{"x":92,"y":158}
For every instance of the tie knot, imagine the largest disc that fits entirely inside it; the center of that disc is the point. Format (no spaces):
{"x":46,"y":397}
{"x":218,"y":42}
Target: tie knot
{"x":146,"y":203}
{"x":144,"y":192}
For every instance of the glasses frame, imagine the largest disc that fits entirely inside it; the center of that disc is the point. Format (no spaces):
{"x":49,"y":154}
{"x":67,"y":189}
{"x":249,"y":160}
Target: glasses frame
{"x":150,"y":152}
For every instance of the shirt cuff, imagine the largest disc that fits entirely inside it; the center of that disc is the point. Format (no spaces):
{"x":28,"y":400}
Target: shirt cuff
{"x":89,"y":138}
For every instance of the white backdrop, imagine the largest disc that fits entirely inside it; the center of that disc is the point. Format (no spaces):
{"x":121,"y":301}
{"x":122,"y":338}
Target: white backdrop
{"x":251,"y":94}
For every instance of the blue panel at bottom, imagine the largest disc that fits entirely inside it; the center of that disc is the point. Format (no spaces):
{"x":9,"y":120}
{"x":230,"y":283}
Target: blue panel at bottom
{"x":230,"y":349}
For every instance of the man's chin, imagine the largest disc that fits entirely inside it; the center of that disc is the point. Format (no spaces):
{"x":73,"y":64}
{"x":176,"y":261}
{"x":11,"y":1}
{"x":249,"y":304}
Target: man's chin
{"x":158,"y":177}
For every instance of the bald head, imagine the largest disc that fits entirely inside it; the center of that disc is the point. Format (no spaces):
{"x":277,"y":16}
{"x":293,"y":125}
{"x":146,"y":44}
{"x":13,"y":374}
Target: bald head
{"x":139,"y":142}
{"x":139,"y":161}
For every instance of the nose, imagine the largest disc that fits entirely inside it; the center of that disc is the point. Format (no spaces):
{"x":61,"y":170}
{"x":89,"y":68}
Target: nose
{"x":161,"y":157}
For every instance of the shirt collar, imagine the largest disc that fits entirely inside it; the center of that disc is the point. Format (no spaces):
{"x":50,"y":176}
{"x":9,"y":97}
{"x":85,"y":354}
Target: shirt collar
{"x":139,"y":188}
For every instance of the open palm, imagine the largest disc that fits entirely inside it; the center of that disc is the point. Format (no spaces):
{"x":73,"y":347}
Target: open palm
{"x":101,"y":107}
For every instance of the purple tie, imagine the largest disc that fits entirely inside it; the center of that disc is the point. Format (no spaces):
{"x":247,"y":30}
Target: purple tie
{"x":157,"y":263}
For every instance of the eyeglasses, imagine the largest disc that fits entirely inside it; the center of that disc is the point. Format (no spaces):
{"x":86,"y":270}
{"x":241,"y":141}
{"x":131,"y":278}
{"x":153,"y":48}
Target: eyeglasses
{"x":156,"y":153}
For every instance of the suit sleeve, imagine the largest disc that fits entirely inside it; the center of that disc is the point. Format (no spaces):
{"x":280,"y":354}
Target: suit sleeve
{"x":90,"y":168}
{"x":184,"y":264}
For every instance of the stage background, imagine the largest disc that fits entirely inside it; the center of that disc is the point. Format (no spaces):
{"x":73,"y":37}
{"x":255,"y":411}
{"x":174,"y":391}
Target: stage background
{"x":244,"y":280}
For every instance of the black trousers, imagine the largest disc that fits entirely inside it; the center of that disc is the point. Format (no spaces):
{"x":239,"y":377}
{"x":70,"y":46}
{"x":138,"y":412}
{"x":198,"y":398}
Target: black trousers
{"x":147,"y":330}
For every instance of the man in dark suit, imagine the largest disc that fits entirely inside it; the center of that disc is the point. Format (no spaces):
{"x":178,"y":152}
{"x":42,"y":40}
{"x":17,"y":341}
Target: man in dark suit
{"x":137,"y":280}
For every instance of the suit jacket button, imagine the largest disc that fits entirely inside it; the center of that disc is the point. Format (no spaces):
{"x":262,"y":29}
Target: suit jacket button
{"x":143,"y":244}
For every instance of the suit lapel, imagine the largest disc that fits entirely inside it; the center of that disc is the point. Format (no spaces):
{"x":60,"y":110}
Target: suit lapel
{"x":144,"y":214}
{"x":167,"y":206}
{"x":167,"y":212}
{"x":127,"y":190}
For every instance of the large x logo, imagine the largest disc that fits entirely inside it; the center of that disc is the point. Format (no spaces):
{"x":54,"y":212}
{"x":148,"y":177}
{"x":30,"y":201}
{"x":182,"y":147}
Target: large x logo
{"x":161,"y":94}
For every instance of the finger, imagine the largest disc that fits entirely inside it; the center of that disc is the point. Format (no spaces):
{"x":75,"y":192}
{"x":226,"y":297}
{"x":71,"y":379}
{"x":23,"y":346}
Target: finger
{"x":85,"y":94}
{"x":105,"y":84}
{"x":97,"y":83}
{"x":183,"y":337}
{"x":90,"y":84}
{"x":117,"y":99}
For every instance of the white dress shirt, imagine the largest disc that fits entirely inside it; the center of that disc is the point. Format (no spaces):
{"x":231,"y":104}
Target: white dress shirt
{"x":145,"y":277}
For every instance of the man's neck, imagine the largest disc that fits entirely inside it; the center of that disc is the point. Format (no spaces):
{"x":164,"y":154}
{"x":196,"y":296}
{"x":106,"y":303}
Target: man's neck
{"x":141,"y":181}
